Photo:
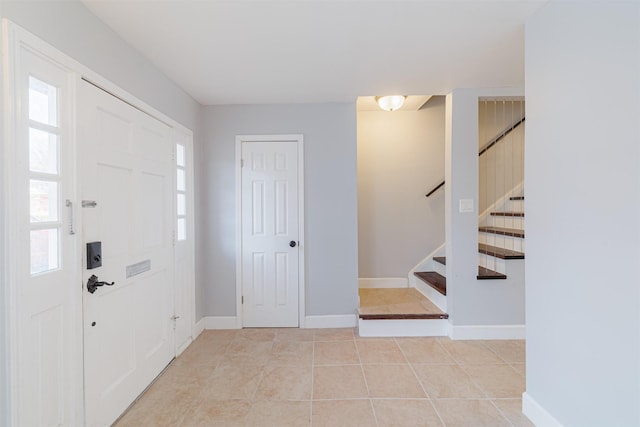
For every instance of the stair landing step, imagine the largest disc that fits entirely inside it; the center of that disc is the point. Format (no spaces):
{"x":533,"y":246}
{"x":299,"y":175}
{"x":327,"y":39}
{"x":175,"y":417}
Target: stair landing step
{"x":388,"y":316}
{"x":514,"y":214}
{"x":433,"y":279}
{"x":483,"y":274}
{"x":486,"y":274}
{"x":514,"y":232}
{"x":502,"y":253}
{"x":516,"y":198}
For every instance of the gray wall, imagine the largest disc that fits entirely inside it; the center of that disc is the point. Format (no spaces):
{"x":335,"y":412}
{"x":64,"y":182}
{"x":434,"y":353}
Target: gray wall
{"x":330,"y":201}
{"x":400,"y":158}
{"x":583,"y":212}
{"x":469,"y":301}
{"x":73,"y":29}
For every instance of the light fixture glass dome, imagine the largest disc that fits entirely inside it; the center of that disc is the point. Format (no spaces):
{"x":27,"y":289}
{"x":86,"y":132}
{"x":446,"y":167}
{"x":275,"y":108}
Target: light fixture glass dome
{"x":390,"y":102}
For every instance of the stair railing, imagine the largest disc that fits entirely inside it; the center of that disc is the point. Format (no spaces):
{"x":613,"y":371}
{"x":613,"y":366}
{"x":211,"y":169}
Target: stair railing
{"x":485,"y":148}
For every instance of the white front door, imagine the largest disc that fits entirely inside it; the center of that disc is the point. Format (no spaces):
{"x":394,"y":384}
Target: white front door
{"x":127,"y":175}
{"x":270,"y":233}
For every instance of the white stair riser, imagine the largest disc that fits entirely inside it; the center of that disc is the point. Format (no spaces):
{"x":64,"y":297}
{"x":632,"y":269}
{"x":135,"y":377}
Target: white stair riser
{"x":403,"y":328}
{"x":506,"y":222}
{"x":439,"y":268}
{"x":514,"y":206}
{"x":492,"y":263}
{"x":509,"y":242}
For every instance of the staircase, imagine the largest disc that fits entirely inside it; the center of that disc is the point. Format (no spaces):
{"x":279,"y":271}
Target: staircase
{"x":500,"y":239}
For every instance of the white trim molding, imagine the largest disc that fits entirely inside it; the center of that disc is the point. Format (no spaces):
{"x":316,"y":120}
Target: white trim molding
{"x":536,"y":413}
{"x":198,"y":327}
{"x":487,"y":332}
{"x":383,"y":282}
{"x":219,"y":322}
{"x":330,"y":321}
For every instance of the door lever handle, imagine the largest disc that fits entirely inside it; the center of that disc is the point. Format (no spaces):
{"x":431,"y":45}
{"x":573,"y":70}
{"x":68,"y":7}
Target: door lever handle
{"x":93,"y":283}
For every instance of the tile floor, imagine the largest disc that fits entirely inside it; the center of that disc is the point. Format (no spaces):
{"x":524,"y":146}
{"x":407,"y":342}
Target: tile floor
{"x":331,"y":377}
{"x":395,"y":301}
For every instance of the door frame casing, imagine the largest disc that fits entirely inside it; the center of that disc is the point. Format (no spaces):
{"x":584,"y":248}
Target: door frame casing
{"x":299,"y":140}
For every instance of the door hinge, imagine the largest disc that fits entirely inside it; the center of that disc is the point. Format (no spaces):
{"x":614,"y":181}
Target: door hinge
{"x":241,"y":163}
{"x":242,"y":299}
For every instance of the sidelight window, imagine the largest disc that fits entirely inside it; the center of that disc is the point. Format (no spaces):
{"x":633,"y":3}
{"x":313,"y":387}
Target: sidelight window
{"x":44,"y":174}
{"x":181,"y":187}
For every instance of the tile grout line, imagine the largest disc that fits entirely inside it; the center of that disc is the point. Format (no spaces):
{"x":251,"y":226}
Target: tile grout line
{"x":199,"y":399}
{"x":420,"y":382}
{"x":366,"y":383}
{"x":479,"y":386}
{"x":501,"y":413}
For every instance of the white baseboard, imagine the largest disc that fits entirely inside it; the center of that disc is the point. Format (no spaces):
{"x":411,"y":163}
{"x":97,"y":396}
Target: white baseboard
{"x":330,"y":321}
{"x":432,"y":295}
{"x":536,"y":413}
{"x":383,"y":282}
{"x":184,"y":346}
{"x":403,"y":328}
{"x":488,"y":332}
{"x":220,"y":322}
{"x":198,"y":328}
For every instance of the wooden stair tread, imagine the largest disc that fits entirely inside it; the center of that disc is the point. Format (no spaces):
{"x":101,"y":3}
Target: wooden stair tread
{"x":502,"y":253}
{"x":388,"y":316}
{"x":441,"y":259}
{"x":515,"y":214}
{"x":433,"y":279}
{"x":486,"y":274}
{"x":514,"y":232}
{"x":516,"y":198}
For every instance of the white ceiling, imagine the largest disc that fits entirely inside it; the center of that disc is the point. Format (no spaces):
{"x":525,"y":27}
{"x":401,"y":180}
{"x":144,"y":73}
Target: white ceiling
{"x":298,"y":51}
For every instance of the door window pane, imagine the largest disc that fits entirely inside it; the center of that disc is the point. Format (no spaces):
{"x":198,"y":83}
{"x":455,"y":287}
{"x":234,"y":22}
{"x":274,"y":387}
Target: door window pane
{"x":182,"y":229}
{"x":180,"y":155}
{"x":43,"y":102}
{"x":43,"y":151}
{"x":44,"y":250}
{"x":180,"y":184}
{"x":182,"y":205}
{"x":43,"y":197}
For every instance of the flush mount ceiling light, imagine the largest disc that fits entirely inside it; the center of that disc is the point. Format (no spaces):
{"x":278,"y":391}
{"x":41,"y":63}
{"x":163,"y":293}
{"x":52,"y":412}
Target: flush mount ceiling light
{"x":391,"y":102}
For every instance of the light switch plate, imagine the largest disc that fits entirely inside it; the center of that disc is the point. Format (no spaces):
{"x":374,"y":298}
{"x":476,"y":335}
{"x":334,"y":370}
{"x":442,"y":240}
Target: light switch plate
{"x":466,"y":205}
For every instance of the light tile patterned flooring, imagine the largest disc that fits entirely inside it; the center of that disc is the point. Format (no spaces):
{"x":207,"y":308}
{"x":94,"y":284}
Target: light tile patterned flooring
{"x":395,"y":301}
{"x":331,"y":377}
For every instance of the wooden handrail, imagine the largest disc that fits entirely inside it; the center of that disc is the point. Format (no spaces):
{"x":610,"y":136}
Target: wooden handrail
{"x":486,"y":148}
{"x":436,"y":188}
{"x":497,"y":139}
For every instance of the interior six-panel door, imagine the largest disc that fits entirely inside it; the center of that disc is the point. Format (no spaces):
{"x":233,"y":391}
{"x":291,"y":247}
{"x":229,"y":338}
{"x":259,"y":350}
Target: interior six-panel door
{"x":127,"y":196}
{"x":270,"y":247}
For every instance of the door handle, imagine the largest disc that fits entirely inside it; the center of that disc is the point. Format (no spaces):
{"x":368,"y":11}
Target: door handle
{"x":69,"y":204}
{"x":292,"y":243}
{"x":93,"y":283}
